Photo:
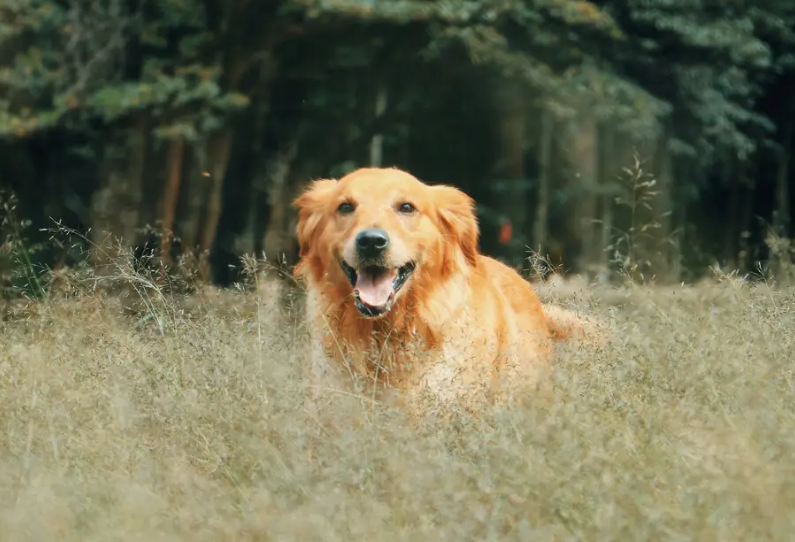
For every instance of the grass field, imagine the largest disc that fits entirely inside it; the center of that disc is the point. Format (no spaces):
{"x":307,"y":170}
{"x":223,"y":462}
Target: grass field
{"x":172,"y":420}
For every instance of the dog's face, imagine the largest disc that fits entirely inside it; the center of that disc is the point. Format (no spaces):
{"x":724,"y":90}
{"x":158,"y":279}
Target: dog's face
{"x":380,"y":230}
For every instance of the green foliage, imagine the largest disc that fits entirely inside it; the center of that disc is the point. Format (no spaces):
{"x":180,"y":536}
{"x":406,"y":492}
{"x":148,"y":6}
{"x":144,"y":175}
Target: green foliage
{"x":18,"y":270}
{"x":62,"y":64}
{"x":690,"y":72}
{"x":553,"y":47}
{"x":67,"y":66}
{"x":707,"y":63}
{"x":72,"y":59}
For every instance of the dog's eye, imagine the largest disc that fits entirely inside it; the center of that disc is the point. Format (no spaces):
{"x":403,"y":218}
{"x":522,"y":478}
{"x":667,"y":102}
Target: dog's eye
{"x":345,"y":208}
{"x":406,"y":208}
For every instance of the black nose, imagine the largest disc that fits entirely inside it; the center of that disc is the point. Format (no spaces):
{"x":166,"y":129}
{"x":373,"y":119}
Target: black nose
{"x":371,"y":243}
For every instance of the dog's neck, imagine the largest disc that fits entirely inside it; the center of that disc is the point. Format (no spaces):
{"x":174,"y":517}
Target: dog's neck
{"x":416,"y":326}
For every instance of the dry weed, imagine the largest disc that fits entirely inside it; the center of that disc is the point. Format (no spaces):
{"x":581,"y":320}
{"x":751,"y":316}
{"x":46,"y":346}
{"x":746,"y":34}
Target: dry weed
{"x":185,"y":421}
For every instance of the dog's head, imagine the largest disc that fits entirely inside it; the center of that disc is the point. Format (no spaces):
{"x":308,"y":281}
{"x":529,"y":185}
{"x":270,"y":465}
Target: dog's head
{"x":380,"y":231}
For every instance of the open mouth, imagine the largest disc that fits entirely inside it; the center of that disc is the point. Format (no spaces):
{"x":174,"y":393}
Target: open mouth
{"x":374,"y":286}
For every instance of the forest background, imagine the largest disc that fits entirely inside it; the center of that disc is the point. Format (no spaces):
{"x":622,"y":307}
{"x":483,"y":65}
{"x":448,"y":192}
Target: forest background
{"x":648,"y":137}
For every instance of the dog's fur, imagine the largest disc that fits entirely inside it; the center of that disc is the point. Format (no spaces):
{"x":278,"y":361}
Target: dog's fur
{"x":460,"y":320}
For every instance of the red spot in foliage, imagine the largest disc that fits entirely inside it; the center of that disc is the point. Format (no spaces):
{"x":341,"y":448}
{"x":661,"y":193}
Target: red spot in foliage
{"x":506,"y":232}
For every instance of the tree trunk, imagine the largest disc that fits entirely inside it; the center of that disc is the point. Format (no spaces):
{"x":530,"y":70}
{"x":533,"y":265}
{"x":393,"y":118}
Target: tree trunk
{"x":218,"y":151}
{"x":783,"y":215}
{"x":733,"y":226}
{"x":587,"y":164}
{"x":377,"y":142}
{"x":544,"y":174}
{"x":137,"y":164}
{"x":509,"y":168}
{"x":103,"y":210}
{"x":609,"y":162}
{"x":174,"y":159}
{"x":252,"y":239}
{"x":116,"y":204}
{"x":405,"y":148}
{"x":278,"y":236}
{"x":746,"y":215}
{"x":661,"y":248}
{"x":192,"y":205}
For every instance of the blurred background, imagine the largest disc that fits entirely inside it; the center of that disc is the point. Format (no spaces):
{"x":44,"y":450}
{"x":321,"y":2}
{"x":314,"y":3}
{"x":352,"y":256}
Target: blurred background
{"x":649,"y":138}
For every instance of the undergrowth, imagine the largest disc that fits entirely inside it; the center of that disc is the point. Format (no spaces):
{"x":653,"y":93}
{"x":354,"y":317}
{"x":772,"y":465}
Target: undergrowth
{"x":137,"y":406}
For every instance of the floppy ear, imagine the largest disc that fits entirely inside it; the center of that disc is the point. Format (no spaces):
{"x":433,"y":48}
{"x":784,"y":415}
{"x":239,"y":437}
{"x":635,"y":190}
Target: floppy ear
{"x":456,"y":212}
{"x":310,"y":206}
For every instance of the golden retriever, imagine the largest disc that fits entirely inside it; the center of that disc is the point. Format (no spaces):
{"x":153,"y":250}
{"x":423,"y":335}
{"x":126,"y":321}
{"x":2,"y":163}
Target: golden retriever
{"x":398,"y":292}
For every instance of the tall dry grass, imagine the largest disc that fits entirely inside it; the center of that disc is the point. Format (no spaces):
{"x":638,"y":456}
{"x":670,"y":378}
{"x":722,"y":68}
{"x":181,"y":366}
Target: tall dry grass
{"x":161,"y":417}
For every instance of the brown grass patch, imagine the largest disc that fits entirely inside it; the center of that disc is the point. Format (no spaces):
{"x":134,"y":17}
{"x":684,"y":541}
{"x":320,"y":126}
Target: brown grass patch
{"x":182,"y":419}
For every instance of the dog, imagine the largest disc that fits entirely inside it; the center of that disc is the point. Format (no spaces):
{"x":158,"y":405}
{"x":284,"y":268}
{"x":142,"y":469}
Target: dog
{"x":397,"y":292}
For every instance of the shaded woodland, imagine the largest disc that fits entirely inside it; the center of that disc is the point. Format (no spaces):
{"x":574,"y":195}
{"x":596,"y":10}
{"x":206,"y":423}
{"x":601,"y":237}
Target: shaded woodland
{"x":645,"y":136}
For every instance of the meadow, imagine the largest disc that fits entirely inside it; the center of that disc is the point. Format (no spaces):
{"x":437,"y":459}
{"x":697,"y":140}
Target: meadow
{"x":144,"y":415}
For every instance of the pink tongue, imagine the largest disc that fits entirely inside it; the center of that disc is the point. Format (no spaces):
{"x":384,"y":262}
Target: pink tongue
{"x":374,"y":286}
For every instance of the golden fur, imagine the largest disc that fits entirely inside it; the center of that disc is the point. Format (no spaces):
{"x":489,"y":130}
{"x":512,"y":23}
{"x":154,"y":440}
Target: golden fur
{"x":461,"y":319}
